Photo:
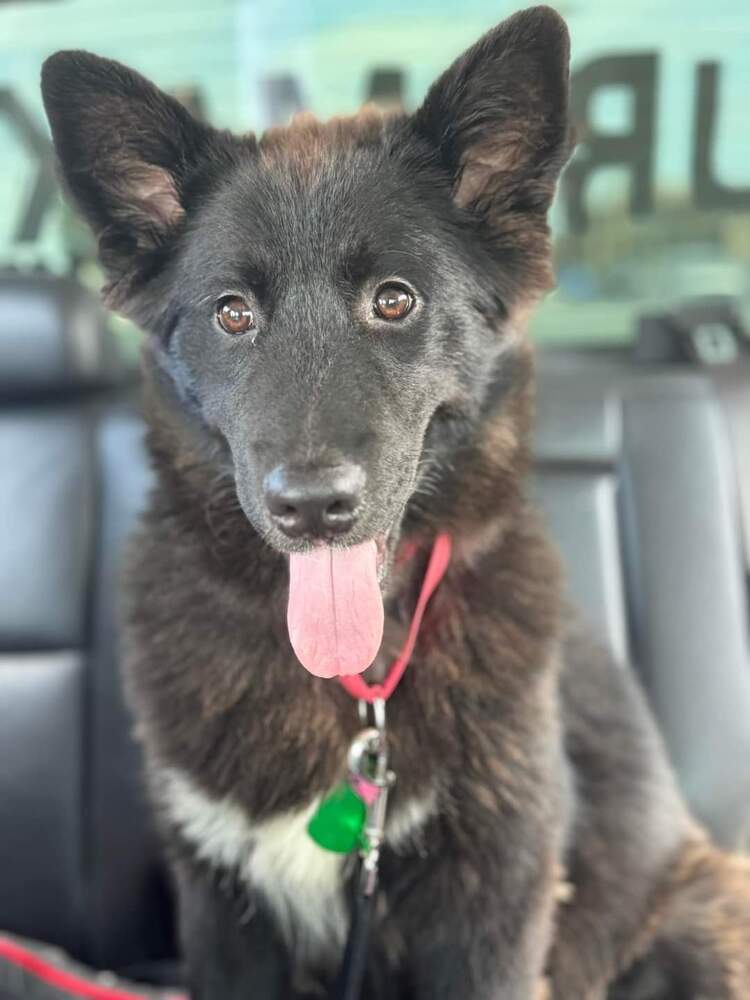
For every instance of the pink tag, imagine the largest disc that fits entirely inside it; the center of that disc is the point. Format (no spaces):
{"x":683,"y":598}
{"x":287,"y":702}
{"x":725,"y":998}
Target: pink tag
{"x":367,"y":791}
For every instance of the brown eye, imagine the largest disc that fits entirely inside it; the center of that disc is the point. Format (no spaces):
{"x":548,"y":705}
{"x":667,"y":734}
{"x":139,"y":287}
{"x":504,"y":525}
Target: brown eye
{"x":234,"y":315}
{"x":393,"y":302}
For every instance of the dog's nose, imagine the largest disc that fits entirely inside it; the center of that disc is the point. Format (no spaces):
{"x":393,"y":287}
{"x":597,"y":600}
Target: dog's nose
{"x":316,"y":503}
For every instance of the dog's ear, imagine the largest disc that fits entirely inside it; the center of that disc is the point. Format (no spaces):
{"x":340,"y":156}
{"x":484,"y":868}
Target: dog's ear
{"x":127,"y":153}
{"x":499,"y":115}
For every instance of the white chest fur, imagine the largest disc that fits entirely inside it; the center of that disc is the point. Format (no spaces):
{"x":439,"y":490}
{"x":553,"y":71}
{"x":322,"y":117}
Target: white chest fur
{"x":301,"y":882}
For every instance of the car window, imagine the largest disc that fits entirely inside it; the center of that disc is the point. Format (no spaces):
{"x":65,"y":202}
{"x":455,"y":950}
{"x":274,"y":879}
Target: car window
{"x":655,"y":206}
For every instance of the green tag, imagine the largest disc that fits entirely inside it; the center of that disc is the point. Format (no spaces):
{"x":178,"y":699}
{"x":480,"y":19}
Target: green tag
{"x":339,"y":821}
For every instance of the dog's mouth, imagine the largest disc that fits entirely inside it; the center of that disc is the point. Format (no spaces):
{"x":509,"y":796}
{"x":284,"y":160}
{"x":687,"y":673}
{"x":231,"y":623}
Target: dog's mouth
{"x":335,"y":612}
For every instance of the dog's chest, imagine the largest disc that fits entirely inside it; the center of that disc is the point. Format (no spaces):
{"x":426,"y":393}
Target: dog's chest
{"x":301,"y":883}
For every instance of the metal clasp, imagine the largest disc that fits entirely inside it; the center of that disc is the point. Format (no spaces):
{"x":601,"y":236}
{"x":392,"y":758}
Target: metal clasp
{"x":368,"y":762}
{"x":378,"y":712}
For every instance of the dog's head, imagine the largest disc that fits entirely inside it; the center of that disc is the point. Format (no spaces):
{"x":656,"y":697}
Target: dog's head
{"x":334,"y":304}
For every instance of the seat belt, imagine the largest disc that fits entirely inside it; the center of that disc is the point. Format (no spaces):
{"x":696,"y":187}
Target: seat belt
{"x":709,"y":334}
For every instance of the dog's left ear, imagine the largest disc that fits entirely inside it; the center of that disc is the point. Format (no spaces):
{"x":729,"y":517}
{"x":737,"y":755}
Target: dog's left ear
{"x":499,"y":115}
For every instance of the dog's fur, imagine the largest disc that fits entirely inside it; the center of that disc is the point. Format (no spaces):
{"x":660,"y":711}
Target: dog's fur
{"x":536,"y":842}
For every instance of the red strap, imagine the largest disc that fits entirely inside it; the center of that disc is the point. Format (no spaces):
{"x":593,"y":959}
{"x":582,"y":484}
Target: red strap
{"x":68,"y":983}
{"x":357,"y":687}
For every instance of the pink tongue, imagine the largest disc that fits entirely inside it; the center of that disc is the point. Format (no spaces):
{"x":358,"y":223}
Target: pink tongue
{"x":335,"y":613}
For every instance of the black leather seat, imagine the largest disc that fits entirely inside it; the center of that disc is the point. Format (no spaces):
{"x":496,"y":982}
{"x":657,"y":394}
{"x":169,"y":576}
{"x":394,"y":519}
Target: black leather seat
{"x":78,"y":862}
{"x":633,"y":472}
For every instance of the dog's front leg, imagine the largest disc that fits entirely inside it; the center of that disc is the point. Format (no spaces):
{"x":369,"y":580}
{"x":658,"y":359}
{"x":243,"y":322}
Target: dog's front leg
{"x":232,"y":952}
{"x":475,"y":936}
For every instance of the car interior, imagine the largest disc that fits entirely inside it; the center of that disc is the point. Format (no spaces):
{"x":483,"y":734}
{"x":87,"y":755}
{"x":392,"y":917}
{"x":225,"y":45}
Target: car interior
{"x":642,"y":448}
{"x":634,"y":471}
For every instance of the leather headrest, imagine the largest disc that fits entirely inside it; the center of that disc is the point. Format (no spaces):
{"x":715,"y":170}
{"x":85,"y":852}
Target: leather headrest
{"x":53,"y":336}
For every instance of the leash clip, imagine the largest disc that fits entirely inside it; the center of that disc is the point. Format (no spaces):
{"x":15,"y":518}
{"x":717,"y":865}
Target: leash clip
{"x":368,"y":765}
{"x":378,"y":712}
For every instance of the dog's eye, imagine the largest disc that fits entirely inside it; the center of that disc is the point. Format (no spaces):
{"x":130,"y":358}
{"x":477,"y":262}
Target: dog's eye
{"x":234,"y":314}
{"x":393,"y":302}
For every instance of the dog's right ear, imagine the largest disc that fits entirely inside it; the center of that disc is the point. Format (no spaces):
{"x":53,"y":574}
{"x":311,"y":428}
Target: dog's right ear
{"x":128,"y":154}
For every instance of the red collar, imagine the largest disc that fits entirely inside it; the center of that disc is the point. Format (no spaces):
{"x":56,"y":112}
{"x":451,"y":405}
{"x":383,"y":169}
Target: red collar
{"x":356,"y":686}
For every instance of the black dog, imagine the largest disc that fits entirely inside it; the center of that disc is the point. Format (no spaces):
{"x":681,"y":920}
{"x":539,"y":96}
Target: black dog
{"x":336,"y":370}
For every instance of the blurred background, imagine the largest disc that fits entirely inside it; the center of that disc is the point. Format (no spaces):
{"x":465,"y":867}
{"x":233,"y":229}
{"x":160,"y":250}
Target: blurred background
{"x":643,"y":440}
{"x":656,"y":206}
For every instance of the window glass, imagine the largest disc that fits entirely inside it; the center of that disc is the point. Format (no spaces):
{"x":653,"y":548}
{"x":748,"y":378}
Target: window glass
{"x":654,"y":208}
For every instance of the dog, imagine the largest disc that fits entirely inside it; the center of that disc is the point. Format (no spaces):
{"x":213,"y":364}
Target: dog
{"x":336,"y":372}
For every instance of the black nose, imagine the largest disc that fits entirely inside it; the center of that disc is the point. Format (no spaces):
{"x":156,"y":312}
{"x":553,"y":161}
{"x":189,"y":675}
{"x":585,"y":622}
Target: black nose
{"x":314,"y":503}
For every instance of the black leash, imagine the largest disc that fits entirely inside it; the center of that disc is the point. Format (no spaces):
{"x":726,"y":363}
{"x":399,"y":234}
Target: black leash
{"x":351,"y":976}
{"x":368,"y":763}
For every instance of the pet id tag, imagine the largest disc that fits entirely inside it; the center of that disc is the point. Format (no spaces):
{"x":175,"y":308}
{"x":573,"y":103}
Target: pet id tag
{"x":352,"y":816}
{"x":339,"y":821}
